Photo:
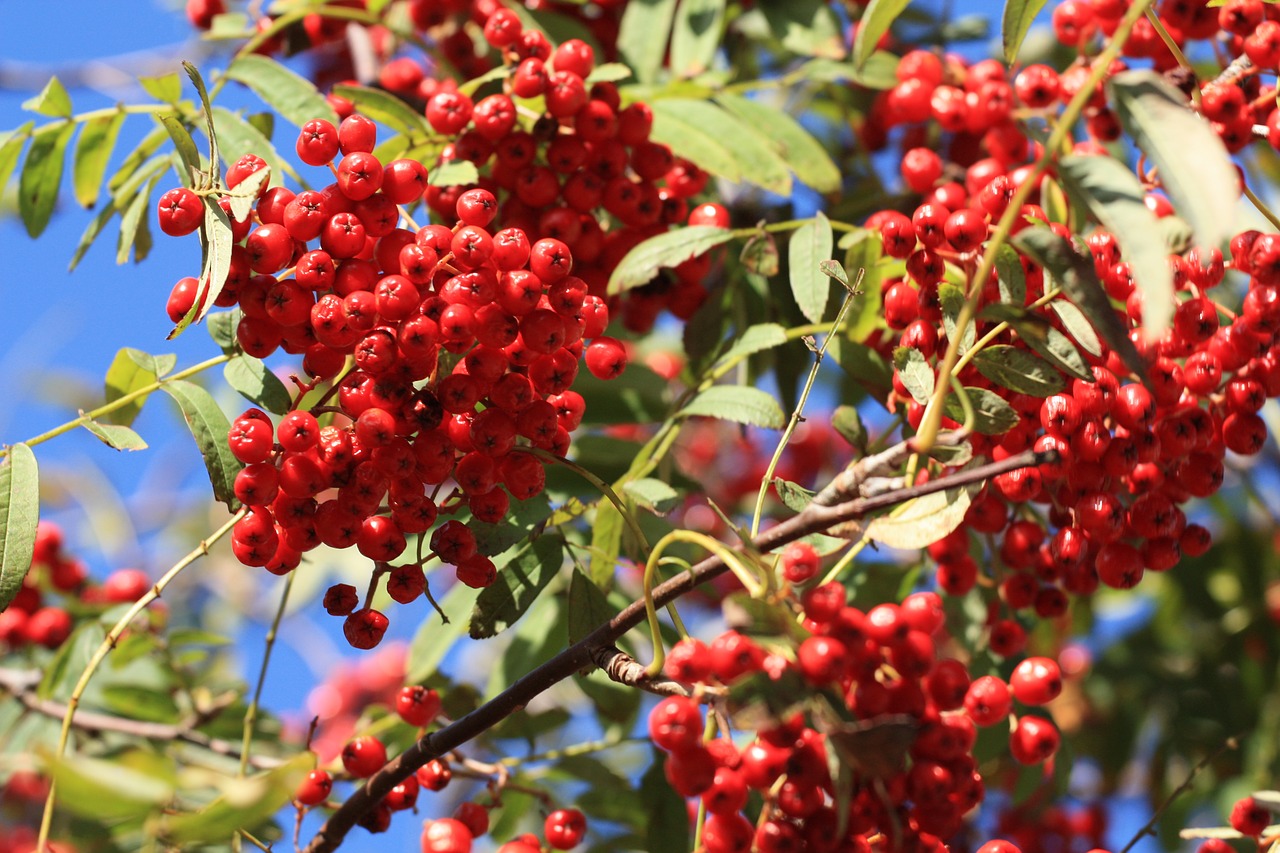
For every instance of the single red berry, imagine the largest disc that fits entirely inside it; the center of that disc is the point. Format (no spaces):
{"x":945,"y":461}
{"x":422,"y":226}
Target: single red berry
{"x":1036,"y":681}
{"x":314,"y":789}
{"x":181,"y":212}
{"x":565,"y":828}
{"x":417,"y":705}
{"x":364,"y":756}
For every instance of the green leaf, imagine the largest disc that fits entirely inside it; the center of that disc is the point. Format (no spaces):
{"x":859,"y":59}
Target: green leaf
{"x":42,"y":174}
{"x":608,"y":72}
{"x":163,"y":87}
{"x":666,"y":828}
{"x":757,"y":338}
{"x":135,"y":227}
{"x":606,"y":543}
{"x":287,"y":92}
{"x":385,"y":108}
{"x":244,"y":196}
{"x":760,"y":254}
{"x":11,"y":143}
{"x":915,"y":372}
{"x":222,"y":329}
{"x":108,"y":790}
{"x":588,"y":607}
{"x":246,"y":803}
{"x":61,"y":674}
{"x":879,"y":71}
{"x":992,"y":413}
{"x":434,"y":639}
{"x":518,"y":585}
{"x":192,"y":174}
{"x":257,"y":384}
{"x":754,"y":157}
{"x":848,"y":423}
{"x":1114,"y":196}
{"x":1036,"y":332}
{"x":218,"y":243}
{"x":641,"y":264}
{"x":1010,"y":276}
{"x":93,"y":150}
{"x":692,"y":141}
{"x":115,"y":436}
{"x":794,"y":496}
{"x":19,"y":515}
{"x":696,"y":36}
{"x":141,"y":703}
{"x":643,"y":34}
{"x":91,"y":232}
{"x":876,"y":20}
{"x":810,"y":245}
{"x":922,"y":522}
{"x":209,"y":427}
{"x":806,"y":27}
{"x":1193,"y":164}
{"x":455,"y":173}
{"x":236,"y":137}
{"x":1077,"y":325}
{"x":952,"y":299}
{"x":1018,"y":15}
{"x":215,"y":165}
{"x":521,"y":521}
{"x":738,"y":404}
{"x":1075,"y":274}
{"x":637,"y":396}
{"x":654,"y":495}
{"x":53,"y":100}
{"x":470,"y":87}
{"x":130,"y":370}
{"x":1012,"y":368}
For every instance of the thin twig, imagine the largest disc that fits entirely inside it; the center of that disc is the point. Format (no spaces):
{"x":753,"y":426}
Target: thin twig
{"x":1149,"y":828}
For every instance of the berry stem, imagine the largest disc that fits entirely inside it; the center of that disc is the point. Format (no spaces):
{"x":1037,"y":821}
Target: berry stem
{"x":121,"y":402}
{"x":1149,"y":827}
{"x":251,"y":713}
{"x":928,"y":432}
{"x":1165,"y":37}
{"x":104,"y":649}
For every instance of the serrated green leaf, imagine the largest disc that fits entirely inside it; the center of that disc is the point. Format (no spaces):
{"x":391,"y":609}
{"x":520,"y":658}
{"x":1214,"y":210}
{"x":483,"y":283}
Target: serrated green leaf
{"x":52,"y":101}
{"x":141,"y":703}
{"x":643,"y":34}
{"x":236,"y":137}
{"x":877,"y":17}
{"x":1075,"y":274}
{"x":19,"y":515}
{"x":695,"y":37}
{"x":287,"y":92}
{"x":805,"y":27}
{"x":695,"y":143}
{"x":757,"y":338}
{"x":521,"y":521}
{"x":794,"y":496}
{"x":135,"y":227}
{"x":385,"y":108}
{"x":992,"y":414}
{"x":1077,"y":325}
{"x":1018,"y":15}
{"x":915,"y":372}
{"x":163,"y":87}
{"x":754,"y":158}
{"x":952,"y":299}
{"x":130,"y":370}
{"x":654,"y":495}
{"x":218,"y":244}
{"x":1114,"y":196}
{"x":671,"y":249}
{"x":115,"y":436}
{"x":93,"y":149}
{"x":738,"y":404}
{"x":72,"y":657}
{"x":133,"y":161}
{"x":588,"y":607}
{"x":922,"y":522}
{"x":810,"y":245}
{"x":215,"y":162}
{"x":1010,"y":276}
{"x":606,"y":543}
{"x":1017,"y":370}
{"x":434,"y":639}
{"x":222,"y":329}
{"x":209,"y":427}
{"x":246,"y":803}
{"x":257,"y":384}
{"x":11,"y":143}
{"x":470,"y":87}
{"x":1193,"y":164}
{"x":108,"y":790}
{"x":1036,"y":332}
{"x":42,"y":175}
{"x":848,"y":423}
{"x":608,"y":72}
{"x":455,"y":173}
{"x":244,"y":196}
{"x":191,"y":172}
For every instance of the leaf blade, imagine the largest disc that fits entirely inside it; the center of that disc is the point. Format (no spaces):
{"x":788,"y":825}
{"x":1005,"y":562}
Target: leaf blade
{"x":739,"y":404}
{"x":209,"y":427}
{"x":42,"y":175}
{"x":811,"y":244}
{"x":19,"y":516}
{"x":93,"y":149}
{"x":284,"y":90}
{"x":670,"y":249}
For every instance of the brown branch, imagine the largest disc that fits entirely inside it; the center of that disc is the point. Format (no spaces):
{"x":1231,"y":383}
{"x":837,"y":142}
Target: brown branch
{"x":624,"y":669}
{"x":814,"y":519}
{"x":1150,"y":827}
{"x":21,"y":684}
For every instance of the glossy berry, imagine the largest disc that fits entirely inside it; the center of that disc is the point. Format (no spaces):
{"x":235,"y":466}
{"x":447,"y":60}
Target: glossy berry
{"x":565,"y":828}
{"x":1036,"y":681}
{"x":314,"y":789}
{"x":364,"y":756}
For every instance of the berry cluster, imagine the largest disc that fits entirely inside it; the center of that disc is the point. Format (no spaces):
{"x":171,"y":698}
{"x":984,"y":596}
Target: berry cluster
{"x":57,"y":587}
{"x":881,"y":667}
